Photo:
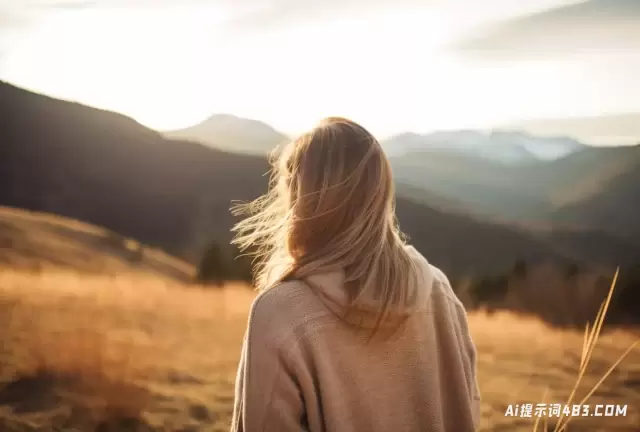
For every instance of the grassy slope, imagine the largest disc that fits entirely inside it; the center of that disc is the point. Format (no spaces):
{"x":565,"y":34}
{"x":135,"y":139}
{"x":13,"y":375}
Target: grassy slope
{"x":38,"y":241}
{"x":167,"y":355}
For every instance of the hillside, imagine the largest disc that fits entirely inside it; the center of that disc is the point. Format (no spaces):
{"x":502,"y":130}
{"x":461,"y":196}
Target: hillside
{"x":593,"y":188}
{"x":39,"y":242}
{"x":607,"y":199}
{"x":230,"y":133}
{"x":105,"y":169}
{"x":597,"y":188}
{"x":485,"y":187}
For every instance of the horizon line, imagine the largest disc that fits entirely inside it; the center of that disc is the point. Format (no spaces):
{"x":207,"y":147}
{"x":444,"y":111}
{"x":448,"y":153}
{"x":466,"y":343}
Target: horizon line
{"x":513,"y":126}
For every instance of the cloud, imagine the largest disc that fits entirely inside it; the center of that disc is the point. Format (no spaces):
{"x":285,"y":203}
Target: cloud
{"x":594,"y":26}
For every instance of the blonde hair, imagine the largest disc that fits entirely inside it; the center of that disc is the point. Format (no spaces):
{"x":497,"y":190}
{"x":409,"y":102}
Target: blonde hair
{"x":330,"y":206}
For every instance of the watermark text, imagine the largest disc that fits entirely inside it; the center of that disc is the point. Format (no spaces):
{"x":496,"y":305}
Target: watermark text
{"x":560,"y":410}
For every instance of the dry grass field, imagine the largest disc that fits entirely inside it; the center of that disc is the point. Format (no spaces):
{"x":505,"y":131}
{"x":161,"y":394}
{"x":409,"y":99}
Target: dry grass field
{"x":139,"y":353}
{"x":117,"y":353}
{"x":90,"y":343}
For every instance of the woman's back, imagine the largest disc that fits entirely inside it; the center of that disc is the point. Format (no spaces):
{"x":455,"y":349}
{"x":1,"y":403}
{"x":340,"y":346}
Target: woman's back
{"x":355,"y":331}
{"x":325,"y":375}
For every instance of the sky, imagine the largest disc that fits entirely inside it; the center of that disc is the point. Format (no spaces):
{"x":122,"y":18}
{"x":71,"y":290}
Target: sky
{"x":393,"y":65}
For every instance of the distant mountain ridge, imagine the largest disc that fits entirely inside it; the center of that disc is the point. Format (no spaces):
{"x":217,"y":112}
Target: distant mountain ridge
{"x":255,"y":137}
{"x":500,"y":146}
{"x":246,"y":135}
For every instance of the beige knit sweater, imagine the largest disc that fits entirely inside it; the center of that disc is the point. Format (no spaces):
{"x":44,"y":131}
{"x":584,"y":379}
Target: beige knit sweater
{"x":302,"y":369}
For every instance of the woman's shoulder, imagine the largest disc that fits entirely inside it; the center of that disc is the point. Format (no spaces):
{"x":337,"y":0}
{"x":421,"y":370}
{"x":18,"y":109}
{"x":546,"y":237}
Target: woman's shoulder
{"x":280,"y":310}
{"x":438,"y":280}
{"x":277,"y":297}
{"x":434,"y":272}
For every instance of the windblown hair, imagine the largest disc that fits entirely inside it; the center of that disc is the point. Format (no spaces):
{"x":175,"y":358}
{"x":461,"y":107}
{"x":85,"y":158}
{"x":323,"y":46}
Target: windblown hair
{"x":330,"y":206}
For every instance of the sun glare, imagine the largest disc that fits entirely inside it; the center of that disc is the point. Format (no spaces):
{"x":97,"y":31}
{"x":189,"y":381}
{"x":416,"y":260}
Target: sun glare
{"x":171,"y":68}
{"x":147,"y":63}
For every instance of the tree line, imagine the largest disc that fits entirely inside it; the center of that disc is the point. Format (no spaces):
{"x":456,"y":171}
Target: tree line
{"x":567,"y":294}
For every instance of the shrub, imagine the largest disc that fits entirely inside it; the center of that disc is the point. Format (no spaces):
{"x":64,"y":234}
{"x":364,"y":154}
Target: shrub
{"x":213,"y":267}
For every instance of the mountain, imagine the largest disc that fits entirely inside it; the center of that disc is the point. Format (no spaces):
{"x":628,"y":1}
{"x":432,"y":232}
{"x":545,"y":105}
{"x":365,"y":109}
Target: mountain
{"x":605,"y":195}
{"x":255,"y":137}
{"x":542,"y":148}
{"x":232,"y":133}
{"x":593,"y":188}
{"x":479,"y":185}
{"x":104,"y":168}
{"x":509,"y":147}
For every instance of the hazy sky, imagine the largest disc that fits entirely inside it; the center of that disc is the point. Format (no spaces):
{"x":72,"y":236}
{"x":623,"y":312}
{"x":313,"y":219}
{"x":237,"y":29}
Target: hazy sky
{"x":393,"y":65}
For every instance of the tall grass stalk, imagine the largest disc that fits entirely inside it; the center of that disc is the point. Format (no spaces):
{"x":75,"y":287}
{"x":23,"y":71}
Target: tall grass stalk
{"x":591,"y":336}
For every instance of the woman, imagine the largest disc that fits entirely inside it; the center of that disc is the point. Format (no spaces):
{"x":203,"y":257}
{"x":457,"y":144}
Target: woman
{"x":354,"y":330}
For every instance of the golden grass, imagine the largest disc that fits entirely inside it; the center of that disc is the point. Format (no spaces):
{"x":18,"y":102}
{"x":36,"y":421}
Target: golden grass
{"x":590,"y":340}
{"x":122,"y":347}
{"x":114,"y":348}
{"x":523,"y":360}
{"x":45,"y":242}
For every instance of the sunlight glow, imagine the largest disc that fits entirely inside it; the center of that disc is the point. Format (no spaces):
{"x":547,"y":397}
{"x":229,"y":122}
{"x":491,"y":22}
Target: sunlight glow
{"x":171,"y":68}
{"x":147,"y":64}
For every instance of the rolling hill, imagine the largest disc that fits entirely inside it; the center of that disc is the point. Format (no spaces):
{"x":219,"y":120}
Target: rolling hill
{"x":593,"y":188}
{"x":481,"y":186}
{"x":606,"y":196}
{"x":105,"y":169}
{"x":38,"y":242}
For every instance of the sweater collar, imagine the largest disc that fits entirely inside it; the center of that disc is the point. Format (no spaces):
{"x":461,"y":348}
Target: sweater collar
{"x":331,"y":289}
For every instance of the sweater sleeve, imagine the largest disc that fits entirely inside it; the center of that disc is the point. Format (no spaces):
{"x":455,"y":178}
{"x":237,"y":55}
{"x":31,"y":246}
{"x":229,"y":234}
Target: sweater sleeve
{"x":470,"y":356}
{"x":267,"y":396}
